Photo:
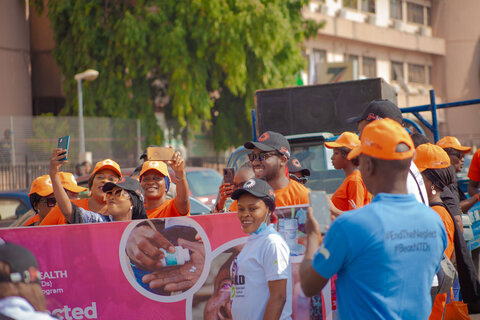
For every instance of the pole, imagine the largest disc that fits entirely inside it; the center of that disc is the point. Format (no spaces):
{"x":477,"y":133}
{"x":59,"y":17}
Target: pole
{"x":434,"y":116}
{"x":81,"y":132}
{"x":139,"y":141}
{"x":12,"y":142}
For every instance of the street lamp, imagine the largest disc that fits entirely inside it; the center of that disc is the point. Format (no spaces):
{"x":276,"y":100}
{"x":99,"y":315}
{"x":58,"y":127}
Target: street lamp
{"x":88,"y":75}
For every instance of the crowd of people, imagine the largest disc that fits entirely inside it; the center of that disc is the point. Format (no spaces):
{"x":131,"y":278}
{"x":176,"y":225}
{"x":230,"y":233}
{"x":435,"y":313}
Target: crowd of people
{"x":397,"y":213}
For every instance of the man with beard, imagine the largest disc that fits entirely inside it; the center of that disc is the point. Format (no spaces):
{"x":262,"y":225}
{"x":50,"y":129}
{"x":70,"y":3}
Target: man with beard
{"x":269,"y":159}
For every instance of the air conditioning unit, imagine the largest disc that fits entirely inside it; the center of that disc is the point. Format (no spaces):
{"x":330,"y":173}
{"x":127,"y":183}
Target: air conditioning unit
{"x":398,"y":25}
{"x":371,"y":19}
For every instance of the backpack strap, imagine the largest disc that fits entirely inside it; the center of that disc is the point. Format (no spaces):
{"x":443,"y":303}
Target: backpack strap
{"x":418,"y":185}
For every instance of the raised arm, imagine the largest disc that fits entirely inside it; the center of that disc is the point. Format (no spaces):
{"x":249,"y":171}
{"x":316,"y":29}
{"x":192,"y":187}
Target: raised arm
{"x":63,"y":201}
{"x":182,"y":200}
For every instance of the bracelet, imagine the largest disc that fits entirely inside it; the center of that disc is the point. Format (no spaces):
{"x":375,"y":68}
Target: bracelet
{"x":179,"y":179}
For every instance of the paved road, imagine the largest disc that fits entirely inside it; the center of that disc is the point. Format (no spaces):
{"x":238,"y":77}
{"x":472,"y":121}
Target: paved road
{"x":475,"y":316}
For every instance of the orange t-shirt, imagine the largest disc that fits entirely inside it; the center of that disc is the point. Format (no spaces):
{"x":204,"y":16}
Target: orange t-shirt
{"x":352,"y":189}
{"x":32,"y":220}
{"x":474,"y":170}
{"x":440,"y":299}
{"x":55,"y":216}
{"x":293,"y":194}
{"x":166,"y":209}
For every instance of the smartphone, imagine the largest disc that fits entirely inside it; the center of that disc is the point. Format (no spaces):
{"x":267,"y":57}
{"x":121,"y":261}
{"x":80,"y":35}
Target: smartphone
{"x":159,"y":153}
{"x":64,"y":143}
{"x":321,"y":210}
{"x":228,"y":174}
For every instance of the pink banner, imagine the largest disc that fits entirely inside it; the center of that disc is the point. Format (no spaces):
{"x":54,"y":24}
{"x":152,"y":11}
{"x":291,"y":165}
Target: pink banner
{"x":86,"y":272}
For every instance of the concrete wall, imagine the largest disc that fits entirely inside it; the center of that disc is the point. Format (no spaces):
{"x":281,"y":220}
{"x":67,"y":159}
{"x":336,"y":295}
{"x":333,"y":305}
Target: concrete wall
{"x":15,"y":75}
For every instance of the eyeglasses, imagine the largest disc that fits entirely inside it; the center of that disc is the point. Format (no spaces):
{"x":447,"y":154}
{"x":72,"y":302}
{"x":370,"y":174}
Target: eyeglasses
{"x":119,"y":193}
{"x":262,"y":155}
{"x":154,"y":178}
{"x":302,"y":180}
{"x":51,"y":202}
{"x":457,"y":154}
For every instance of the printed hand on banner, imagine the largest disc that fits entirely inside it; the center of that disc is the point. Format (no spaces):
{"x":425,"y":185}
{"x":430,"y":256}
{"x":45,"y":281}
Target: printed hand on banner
{"x":183,"y":277}
{"x":142,"y":247}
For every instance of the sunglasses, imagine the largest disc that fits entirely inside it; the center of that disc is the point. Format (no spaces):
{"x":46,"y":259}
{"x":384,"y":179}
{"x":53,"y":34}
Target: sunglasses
{"x":51,"y":202}
{"x":262,"y":155}
{"x":117,"y":194}
{"x":457,"y":154}
{"x":302,"y":180}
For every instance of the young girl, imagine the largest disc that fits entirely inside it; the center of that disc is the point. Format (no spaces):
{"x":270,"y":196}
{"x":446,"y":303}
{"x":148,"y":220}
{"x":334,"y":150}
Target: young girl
{"x":352,"y":193}
{"x":261,"y":274}
{"x":124,"y":198}
{"x":41,"y":198}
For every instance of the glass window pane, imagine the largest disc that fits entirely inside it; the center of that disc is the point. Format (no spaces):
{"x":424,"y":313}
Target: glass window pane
{"x":350,"y":4}
{"x":396,"y":9}
{"x":368,"y":6}
{"x":369,"y":66}
{"x":429,"y":16}
{"x":397,"y":71}
{"x":416,"y":73}
{"x":414,"y":13}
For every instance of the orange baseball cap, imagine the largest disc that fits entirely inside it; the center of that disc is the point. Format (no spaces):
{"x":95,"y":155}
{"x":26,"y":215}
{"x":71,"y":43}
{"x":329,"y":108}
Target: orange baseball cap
{"x":107,"y":164}
{"x":430,"y":156}
{"x":452,"y":142}
{"x":347,"y":139}
{"x":69,"y":182}
{"x":159,"y":166}
{"x":42,"y":186}
{"x":380,"y":138}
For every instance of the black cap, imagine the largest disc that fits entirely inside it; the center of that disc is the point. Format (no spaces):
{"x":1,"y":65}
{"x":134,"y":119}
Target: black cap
{"x":144,"y":154}
{"x":271,"y":141}
{"x":127,"y":184}
{"x":295,"y":166}
{"x":258,"y":188}
{"x":379,"y":109}
{"x":22,"y":263}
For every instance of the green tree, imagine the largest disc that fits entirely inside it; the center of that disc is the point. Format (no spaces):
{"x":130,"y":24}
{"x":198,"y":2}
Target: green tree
{"x":210,"y":56}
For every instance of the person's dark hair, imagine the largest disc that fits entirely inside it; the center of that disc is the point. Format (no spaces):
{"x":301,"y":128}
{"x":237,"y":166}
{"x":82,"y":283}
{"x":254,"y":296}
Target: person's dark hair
{"x":345,"y":151}
{"x":441,"y":178}
{"x":32,"y":292}
{"x":418,"y":139}
{"x":394,"y":165}
{"x":90,"y":180}
{"x":138,"y":210}
{"x":34,"y":198}
{"x":136,"y":172}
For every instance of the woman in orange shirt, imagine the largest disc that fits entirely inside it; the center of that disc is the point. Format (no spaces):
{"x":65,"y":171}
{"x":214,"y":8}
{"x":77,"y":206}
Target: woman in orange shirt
{"x":352,"y":193}
{"x":434,"y":164}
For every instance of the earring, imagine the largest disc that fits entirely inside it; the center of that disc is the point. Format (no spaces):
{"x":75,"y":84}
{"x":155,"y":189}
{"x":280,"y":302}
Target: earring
{"x":434,"y":192}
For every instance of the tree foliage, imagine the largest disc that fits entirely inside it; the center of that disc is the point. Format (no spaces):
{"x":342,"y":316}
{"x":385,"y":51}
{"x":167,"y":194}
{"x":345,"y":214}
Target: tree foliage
{"x":207,"y":56}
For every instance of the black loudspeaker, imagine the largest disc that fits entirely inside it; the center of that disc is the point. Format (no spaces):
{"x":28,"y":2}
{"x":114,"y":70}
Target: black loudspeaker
{"x":317,"y":108}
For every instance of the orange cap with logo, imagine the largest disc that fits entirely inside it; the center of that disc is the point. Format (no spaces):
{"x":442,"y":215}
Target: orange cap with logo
{"x":42,"y":186}
{"x":380,"y":139}
{"x":347,"y":139}
{"x":107,"y":164}
{"x":452,"y":142}
{"x":159,"y":166}
{"x":68,"y":182}
{"x":430,"y":156}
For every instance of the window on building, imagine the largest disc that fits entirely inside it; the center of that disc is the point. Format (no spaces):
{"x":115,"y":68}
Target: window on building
{"x":430,"y":81}
{"x":368,"y":6}
{"x":396,"y":9}
{"x":350,"y":4}
{"x":319,"y":56}
{"x":415,"y":13}
{"x":416,"y":73}
{"x":369,"y":67}
{"x":351,"y":57}
{"x":429,"y":16}
{"x":397,"y":71}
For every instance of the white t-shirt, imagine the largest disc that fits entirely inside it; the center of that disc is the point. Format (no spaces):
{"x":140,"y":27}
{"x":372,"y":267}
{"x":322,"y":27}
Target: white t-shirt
{"x":412,"y":186}
{"x":265,"y":257}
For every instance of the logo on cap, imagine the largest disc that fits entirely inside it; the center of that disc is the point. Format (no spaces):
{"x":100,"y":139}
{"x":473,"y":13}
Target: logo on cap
{"x":296,"y":163}
{"x":270,"y":192}
{"x":372,"y":116}
{"x":110,"y":162}
{"x":153,"y":164}
{"x":249,"y":184}
{"x":264,"y":137}
{"x":73,"y":179}
{"x":48,"y":181}
{"x":121,"y":180}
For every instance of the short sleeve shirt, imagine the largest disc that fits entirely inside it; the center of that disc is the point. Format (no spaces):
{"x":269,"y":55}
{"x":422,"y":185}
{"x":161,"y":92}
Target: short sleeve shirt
{"x":293,"y":194}
{"x":474,"y":170}
{"x":81,"y":215}
{"x":265,"y":257}
{"x":449,"y":227}
{"x":351,"y":190}
{"x":385,"y":255}
{"x":166,"y":209}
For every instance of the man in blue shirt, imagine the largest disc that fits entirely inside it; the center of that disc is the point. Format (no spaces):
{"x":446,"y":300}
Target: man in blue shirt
{"x":387,"y":253}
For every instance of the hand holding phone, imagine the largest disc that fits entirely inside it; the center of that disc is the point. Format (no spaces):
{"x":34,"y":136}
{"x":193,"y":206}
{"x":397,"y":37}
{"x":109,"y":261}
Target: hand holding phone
{"x":159,"y":154}
{"x":321,"y":210}
{"x":64,"y":143}
{"x":228,"y":175}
